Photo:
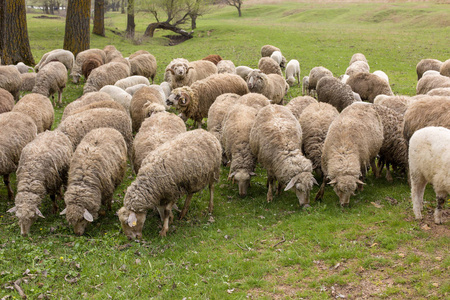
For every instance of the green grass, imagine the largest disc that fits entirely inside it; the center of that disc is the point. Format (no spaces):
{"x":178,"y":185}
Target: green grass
{"x":252,"y":248}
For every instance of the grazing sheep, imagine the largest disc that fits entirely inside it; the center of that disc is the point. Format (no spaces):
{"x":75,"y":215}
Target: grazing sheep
{"x":154,"y":131}
{"x":139,"y":100}
{"x":81,"y":58}
{"x":236,"y":145}
{"x":315,"y":121}
{"x":214,"y":58}
{"x":99,"y":104}
{"x":397,"y":103}
{"x":445,"y":68}
{"x":125,"y":83}
{"x":298,"y":104}
{"x":255,"y":100}
{"x":137,"y":53}
{"x":144,"y":65}
{"x":267,"y":50}
{"x":226,"y":66}
{"x":118,"y":95}
{"x":427,"y":64}
{"x":368,"y":86}
{"x":218,"y":111}
{"x":353,"y":141}
{"x":381,"y":74}
{"x":428,"y":83}
{"x":91,"y":63}
{"x":42,"y":170}
{"x":23,"y":68}
{"x":344,"y":78}
{"x":6,"y":101}
{"x":357,"y":57}
{"x":394,"y":150}
{"x":17,"y":130}
{"x":332,"y":91}
{"x":440,"y":92}
{"x":85,"y":99}
{"x":276,"y":141}
{"x":77,"y":126}
{"x":305,"y":86}
{"x":106,"y":74}
{"x":63,"y":56}
{"x":273,"y":86}
{"x":431,"y":73}
{"x":314,"y":75}
{"x":268,"y":66}
{"x":175,"y":61}
{"x":51,"y":78}
{"x":133,"y":89}
{"x":161,"y":181}
{"x":292,"y":71}
{"x":182,"y":74}
{"x":10,"y":80}
{"x":28,"y":81}
{"x":194,"y":101}
{"x":357,"y":67}
{"x":111,"y":53}
{"x":278,"y":57}
{"x":97,"y":167}
{"x":426,"y":111}
{"x":39,"y":108}
{"x":429,"y":162}
{"x":243,"y":71}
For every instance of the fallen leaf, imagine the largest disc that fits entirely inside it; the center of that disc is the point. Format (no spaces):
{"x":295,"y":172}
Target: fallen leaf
{"x":401,"y":254}
{"x":392,"y":200}
{"x":72,"y":280}
{"x":211,"y":219}
{"x":438,"y":258}
{"x":261,"y":217}
{"x":138,"y":261}
{"x":230,"y":291}
{"x":376,"y":205}
{"x":337,"y":265}
{"x":373,"y":245}
{"x":426,"y":227}
{"x":435,"y":284}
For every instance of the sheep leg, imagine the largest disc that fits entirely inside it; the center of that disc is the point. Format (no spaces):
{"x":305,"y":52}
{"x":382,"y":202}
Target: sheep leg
{"x":187,"y":202}
{"x":418,"y":185}
{"x":211,"y":197}
{"x":380,"y":168}
{"x":60,"y":97}
{"x":167,"y":212}
{"x":279,"y":188}
{"x":8,"y":187}
{"x":374,"y":169}
{"x":440,"y":197}
{"x":160,"y":210}
{"x":321,"y":191}
{"x":270,"y":180}
{"x":388,"y":173}
{"x":55,"y":207}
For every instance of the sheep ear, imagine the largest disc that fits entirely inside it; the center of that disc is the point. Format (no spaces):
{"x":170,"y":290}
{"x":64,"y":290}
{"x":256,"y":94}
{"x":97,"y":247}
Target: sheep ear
{"x":291,"y":184}
{"x":87,"y":216}
{"x":63,"y":212}
{"x":12,"y":210}
{"x":38,"y":212}
{"x":360,"y":182}
{"x":252,"y":174}
{"x":132,"y":220}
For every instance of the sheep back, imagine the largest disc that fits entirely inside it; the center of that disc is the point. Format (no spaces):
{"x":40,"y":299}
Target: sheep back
{"x":331,"y":90}
{"x":28,"y":81}
{"x":427,"y":64}
{"x":357,"y":57}
{"x":39,"y":108}
{"x":368,"y":86}
{"x":315,"y":74}
{"x":6,"y":101}
{"x":397,"y":103}
{"x":298,"y":104}
{"x":106,"y":74}
{"x":144,"y":65}
{"x":267,"y":50}
{"x":268,"y":66}
{"x":273,"y":86}
{"x":428,"y":83}
{"x":85,"y":99}
{"x":143,"y":96}
{"x":255,"y":100}
{"x":10,"y":80}
{"x":218,"y":111}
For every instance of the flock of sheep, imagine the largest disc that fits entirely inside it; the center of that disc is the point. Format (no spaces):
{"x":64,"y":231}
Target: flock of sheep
{"x":332,"y":134}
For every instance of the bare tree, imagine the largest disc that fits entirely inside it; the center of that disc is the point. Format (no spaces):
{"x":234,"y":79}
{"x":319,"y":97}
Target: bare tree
{"x":14,"y":43}
{"x":99,"y":18}
{"x":197,"y":8}
{"x":77,"y":37}
{"x":235,"y":3}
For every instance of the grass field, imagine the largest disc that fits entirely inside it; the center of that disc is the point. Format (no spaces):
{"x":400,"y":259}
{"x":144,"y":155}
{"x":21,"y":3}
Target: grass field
{"x":250,"y":248}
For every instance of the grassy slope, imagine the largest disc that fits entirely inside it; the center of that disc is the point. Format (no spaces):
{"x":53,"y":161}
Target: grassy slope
{"x":251,"y":247}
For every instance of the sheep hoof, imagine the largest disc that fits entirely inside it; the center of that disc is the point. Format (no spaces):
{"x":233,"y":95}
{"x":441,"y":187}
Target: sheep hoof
{"x":306,"y":205}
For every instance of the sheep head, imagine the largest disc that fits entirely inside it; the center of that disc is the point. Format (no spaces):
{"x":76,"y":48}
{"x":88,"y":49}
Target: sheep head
{"x":242,"y":176}
{"x":152,"y":108}
{"x":78,"y":217}
{"x":26,"y":215}
{"x":179,"y":70}
{"x":132,"y":223}
{"x":180,"y":97}
{"x":256,"y":81}
{"x":345,"y":186}
{"x":302,"y":184}
{"x":290,"y":80}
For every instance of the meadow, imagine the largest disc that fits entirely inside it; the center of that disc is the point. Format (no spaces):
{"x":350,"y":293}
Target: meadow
{"x":249,"y":248}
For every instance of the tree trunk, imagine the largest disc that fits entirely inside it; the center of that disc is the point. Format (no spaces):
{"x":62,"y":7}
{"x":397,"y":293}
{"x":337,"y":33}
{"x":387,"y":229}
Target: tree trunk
{"x":14,"y":43}
{"x":193,"y":22}
{"x":239,"y":10}
{"x":166,"y":26}
{"x":99,"y":18}
{"x":123,"y":7}
{"x":77,"y":37}
{"x":130,"y":19}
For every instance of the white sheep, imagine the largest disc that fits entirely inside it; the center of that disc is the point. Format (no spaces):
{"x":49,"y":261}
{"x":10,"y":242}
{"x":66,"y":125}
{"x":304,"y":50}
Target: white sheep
{"x":381,"y":74}
{"x":85,"y":99}
{"x":182,"y":74}
{"x":140,"y":99}
{"x":298,"y":104}
{"x":429,"y":162}
{"x":273,"y":86}
{"x":243,"y":71}
{"x":226,"y":66}
{"x":63,"y":56}
{"x":305,"y":86}
{"x":357,"y":57}
{"x":427,"y":64}
{"x":427,"y":83}
{"x":126,"y":82}
{"x":293,"y":71}
{"x":51,"y":79}
{"x":144,"y":65}
{"x":357,"y":67}
{"x":118,"y":95}
{"x":133,"y":89}
{"x":23,"y":68}
{"x":314,"y":76}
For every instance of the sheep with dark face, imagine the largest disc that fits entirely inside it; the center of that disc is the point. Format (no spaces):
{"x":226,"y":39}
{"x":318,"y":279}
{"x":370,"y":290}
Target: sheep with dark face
{"x":273,"y":86}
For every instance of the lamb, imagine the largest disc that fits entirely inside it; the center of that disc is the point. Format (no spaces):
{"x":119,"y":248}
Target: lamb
{"x":161,"y":182}
{"x":195,"y":101}
{"x":125,"y":83}
{"x":269,"y":66}
{"x":292,"y":71}
{"x":429,"y":162}
{"x":352,"y":143}
{"x":91,"y":63}
{"x":42,"y":170}
{"x":118,"y":95}
{"x":428,"y":83}
{"x":144,"y":65}
{"x":357,"y":67}
{"x":6,"y":101}
{"x":63,"y":56}
{"x":85,"y":99}
{"x":17,"y":130}
{"x":278,"y":57}
{"x":332,"y":91}
{"x":97,"y":167}
{"x":273,"y":86}
{"x":28,"y":81}
{"x":298,"y":104}
{"x":81,"y":58}
{"x":424,"y":112}
{"x":236,"y":145}
{"x":175,"y":61}
{"x":226,"y":66}
{"x":305,"y":86}
{"x":218,"y":111}
{"x":51,"y":78}
{"x":315,"y":121}
{"x":445,"y":68}
{"x":106,"y":74}
{"x":10,"y":80}
{"x":397,"y":103}
{"x":382,"y":75}
{"x":39,"y":108}
{"x":440,"y":92}
{"x":214,"y":58}
{"x":243,"y":71}
{"x":276,"y":141}
{"x":427,"y":64}
{"x":23,"y":68}
{"x":44,"y":58}
{"x":357,"y":57}
{"x":314,"y":75}
{"x":154,"y":131}
{"x":182,"y":74}
{"x":368,"y":86}
{"x":139,"y":100}
{"x":78,"y":125}
{"x":394,"y":150}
